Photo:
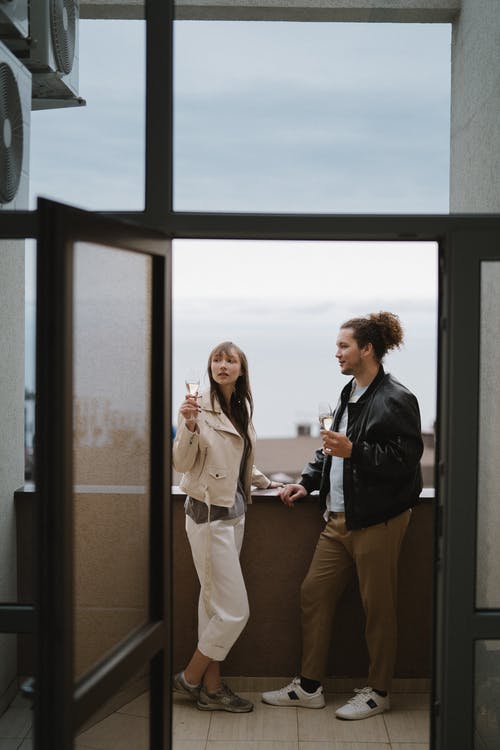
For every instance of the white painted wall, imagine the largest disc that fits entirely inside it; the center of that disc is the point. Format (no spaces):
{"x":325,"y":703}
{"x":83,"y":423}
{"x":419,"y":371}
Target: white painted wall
{"x":11,"y":433}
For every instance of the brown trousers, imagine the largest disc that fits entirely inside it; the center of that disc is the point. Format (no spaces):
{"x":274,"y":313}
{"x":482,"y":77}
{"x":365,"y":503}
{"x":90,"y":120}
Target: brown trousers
{"x":372,"y":553}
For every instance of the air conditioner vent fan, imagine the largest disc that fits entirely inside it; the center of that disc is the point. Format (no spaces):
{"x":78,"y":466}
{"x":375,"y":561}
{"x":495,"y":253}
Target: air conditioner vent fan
{"x":11,"y":135}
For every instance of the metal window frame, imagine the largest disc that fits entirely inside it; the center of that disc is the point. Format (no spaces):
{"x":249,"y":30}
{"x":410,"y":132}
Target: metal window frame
{"x":459,"y":624}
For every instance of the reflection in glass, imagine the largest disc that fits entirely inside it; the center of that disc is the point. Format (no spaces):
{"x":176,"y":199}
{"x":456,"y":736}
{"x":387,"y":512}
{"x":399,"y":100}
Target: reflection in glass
{"x":487,"y":696}
{"x":123,"y":721}
{"x":488,"y":508}
{"x":111,"y":447}
{"x":311,"y":117}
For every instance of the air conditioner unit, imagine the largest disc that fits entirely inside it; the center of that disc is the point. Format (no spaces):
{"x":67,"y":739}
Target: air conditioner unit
{"x":51,"y":53}
{"x":13,"y":18}
{"x":15,"y":109}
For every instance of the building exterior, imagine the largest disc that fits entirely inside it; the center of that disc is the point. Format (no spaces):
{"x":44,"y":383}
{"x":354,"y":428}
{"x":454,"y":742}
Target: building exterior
{"x":474,"y":189}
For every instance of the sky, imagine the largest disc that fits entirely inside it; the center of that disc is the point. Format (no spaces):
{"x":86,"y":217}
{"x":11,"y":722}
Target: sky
{"x":280,"y":117}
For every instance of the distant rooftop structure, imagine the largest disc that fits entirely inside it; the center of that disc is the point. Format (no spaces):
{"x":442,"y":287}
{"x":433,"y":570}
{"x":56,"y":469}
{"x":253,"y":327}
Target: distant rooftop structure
{"x":284,"y":458}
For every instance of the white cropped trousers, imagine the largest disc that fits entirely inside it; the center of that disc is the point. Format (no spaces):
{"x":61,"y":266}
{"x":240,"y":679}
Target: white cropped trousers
{"x":223,"y":609}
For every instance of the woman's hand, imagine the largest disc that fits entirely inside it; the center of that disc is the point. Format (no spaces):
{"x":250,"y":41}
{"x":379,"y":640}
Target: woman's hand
{"x":190,"y":410}
{"x":291,"y":492}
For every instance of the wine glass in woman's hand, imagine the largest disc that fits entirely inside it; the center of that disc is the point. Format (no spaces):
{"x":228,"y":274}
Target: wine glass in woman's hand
{"x":192,"y":382}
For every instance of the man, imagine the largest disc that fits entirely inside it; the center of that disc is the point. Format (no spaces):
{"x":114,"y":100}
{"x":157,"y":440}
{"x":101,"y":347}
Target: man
{"x":368,"y":476}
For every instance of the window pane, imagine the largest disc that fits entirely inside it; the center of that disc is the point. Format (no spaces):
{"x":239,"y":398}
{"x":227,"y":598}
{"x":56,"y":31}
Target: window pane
{"x":487,"y":692}
{"x":93,"y":156}
{"x":311,"y":117}
{"x":488,"y":533}
{"x":111,"y":447}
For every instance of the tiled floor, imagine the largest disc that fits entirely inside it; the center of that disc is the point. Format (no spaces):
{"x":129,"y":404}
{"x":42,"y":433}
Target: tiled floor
{"x":405,"y":727}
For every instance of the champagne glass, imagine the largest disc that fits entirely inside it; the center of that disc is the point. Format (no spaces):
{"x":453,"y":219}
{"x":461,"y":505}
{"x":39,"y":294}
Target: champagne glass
{"x":192,"y":382}
{"x":325,"y":415}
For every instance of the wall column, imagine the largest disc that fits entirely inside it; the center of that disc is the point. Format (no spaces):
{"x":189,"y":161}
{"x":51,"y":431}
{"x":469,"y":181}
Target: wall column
{"x":11,"y":439}
{"x":475,"y":107}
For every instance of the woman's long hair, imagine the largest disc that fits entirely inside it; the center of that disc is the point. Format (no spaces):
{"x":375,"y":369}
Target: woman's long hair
{"x":241,"y":407}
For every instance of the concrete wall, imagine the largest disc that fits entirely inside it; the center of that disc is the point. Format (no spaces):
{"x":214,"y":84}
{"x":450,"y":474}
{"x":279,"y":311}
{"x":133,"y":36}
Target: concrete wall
{"x":475,"y":109}
{"x":111,"y":587}
{"x":270,"y":644}
{"x":488,"y":564}
{"x":11,"y":435}
{"x":389,"y":11}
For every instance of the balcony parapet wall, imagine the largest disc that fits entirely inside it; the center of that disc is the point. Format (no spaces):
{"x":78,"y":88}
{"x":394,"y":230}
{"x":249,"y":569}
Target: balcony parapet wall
{"x":277,"y":549}
{"x":278,"y":546}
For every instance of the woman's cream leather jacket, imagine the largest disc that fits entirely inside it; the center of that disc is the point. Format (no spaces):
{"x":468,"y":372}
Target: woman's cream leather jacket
{"x":210,"y":458}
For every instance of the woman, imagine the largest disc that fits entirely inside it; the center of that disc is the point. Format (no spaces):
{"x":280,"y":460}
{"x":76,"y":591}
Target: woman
{"x":214,"y":447}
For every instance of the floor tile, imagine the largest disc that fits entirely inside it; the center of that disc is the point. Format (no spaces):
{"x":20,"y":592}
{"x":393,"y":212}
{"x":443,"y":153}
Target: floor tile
{"x":263,"y":723}
{"x":410,"y":746}
{"x":410,"y":701}
{"x":188,"y":722}
{"x":189,"y":744}
{"x":322,"y":724}
{"x":408,"y":726}
{"x":117,"y":732}
{"x":6,"y":744}
{"x":253,"y":745}
{"x":319,"y":745}
{"x":138,"y":707}
{"x":15,"y":722}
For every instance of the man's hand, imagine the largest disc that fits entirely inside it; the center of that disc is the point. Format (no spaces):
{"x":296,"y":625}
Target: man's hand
{"x":291,"y":492}
{"x":336,"y":444}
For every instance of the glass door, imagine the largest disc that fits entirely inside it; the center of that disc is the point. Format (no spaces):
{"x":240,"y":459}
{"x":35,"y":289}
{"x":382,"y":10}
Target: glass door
{"x":103,"y":521}
{"x":467,"y":638}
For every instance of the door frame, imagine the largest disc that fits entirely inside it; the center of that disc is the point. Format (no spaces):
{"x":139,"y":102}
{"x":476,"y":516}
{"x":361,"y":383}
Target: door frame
{"x":61,"y":705}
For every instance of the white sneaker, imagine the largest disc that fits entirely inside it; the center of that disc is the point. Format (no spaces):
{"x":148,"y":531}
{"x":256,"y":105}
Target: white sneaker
{"x":365,"y":702}
{"x":294,"y":695}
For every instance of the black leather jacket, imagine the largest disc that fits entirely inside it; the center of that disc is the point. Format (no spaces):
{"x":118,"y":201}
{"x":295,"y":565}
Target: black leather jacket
{"x":382,"y":478}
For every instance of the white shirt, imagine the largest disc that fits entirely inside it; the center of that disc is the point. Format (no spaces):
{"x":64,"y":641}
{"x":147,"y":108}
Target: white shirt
{"x":335,"y":498}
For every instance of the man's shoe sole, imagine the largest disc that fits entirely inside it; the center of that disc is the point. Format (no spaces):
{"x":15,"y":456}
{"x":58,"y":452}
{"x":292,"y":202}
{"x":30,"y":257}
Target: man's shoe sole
{"x":220,"y":707}
{"x":364,"y":716}
{"x":298,"y":704}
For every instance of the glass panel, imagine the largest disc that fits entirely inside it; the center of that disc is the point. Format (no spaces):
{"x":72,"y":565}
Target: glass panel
{"x":488,"y":532}
{"x":123,"y":721}
{"x":311,"y":117}
{"x":487,"y":696}
{"x":111,"y":447}
{"x":93,"y":156}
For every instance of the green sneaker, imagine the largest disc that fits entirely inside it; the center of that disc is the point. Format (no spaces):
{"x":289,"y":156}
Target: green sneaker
{"x":223,"y":700}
